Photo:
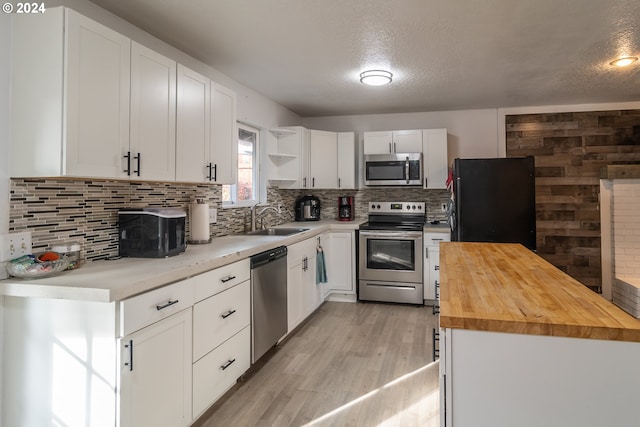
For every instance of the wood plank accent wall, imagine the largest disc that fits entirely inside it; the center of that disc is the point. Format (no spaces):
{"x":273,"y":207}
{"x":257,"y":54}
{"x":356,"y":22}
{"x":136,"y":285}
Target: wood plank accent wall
{"x":569,"y":150}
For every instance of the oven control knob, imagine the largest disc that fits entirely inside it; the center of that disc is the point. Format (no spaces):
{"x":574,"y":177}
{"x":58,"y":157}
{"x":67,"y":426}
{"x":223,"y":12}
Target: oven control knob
{"x":373,"y":206}
{"x":377,"y":206}
{"x":419,"y":207}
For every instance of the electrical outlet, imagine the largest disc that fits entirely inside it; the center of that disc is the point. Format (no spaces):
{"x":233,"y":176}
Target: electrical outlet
{"x":443,"y":207}
{"x":213,"y":215}
{"x":14,"y":245}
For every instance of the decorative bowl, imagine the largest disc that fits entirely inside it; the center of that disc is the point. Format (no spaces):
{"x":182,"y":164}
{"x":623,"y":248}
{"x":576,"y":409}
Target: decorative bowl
{"x":28,"y":267}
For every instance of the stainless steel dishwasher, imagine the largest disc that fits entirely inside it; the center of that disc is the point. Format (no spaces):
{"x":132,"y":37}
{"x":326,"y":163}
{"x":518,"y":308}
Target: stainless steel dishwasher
{"x":268,"y":300}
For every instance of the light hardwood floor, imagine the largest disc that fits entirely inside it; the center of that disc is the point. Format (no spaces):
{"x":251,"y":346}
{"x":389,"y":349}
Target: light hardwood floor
{"x":349,"y":365}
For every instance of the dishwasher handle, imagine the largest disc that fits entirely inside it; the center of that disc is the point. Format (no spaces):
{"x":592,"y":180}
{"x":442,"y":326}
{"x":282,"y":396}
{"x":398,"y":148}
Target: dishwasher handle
{"x":268,"y":256}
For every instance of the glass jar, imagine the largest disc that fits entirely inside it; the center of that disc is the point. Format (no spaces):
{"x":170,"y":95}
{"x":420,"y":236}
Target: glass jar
{"x":71,"y":251}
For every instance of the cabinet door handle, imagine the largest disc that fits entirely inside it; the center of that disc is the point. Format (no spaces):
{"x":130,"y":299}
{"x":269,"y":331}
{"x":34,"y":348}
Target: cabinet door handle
{"x":226,"y":279}
{"x":209,"y":169}
{"x":215,"y":172}
{"x":304,"y":182}
{"x":226,"y":365}
{"x":128,"y":157}
{"x":130,"y":362}
{"x":338,"y":182}
{"x":227,"y":314}
{"x":391,"y":151}
{"x":394,"y":147}
{"x":436,"y":268}
{"x":425,"y":182}
{"x":313,"y":182}
{"x":168,"y":304}
{"x":138,"y":158}
{"x":436,"y":339}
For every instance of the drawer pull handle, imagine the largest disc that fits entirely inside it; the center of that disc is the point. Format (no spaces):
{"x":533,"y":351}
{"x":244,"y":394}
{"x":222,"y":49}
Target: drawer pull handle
{"x":227,"y":314}
{"x":169,"y":303}
{"x":436,"y":267}
{"x":437,"y":240}
{"x":226,"y":365}
{"x":226,"y":279}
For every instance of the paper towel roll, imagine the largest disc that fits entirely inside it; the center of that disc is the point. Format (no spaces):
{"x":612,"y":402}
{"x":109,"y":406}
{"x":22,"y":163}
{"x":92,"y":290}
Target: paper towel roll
{"x":199,"y":222}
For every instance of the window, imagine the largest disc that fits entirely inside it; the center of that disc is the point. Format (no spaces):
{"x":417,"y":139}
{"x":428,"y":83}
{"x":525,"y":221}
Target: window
{"x":245,"y":192}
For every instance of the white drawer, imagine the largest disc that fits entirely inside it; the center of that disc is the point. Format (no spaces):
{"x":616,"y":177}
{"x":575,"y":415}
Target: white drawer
{"x":216,"y":281}
{"x":218,"y":318}
{"x":434,"y":239}
{"x":145,"y":309}
{"x":210,"y":380}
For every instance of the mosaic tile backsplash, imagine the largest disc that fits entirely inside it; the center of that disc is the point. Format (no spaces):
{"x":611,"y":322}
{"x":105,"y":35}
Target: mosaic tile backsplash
{"x":86,"y":211}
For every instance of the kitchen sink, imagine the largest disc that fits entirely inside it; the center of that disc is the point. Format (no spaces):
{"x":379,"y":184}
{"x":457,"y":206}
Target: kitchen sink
{"x":276,"y":232}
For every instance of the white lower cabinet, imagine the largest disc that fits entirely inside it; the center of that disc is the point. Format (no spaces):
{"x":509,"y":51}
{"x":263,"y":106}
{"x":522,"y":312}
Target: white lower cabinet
{"x":221,"y":332}
{"x":340,"y":257}
{"x":218,"y":318}
{"x":304,"y":295}
{"x":219,"y":370}
{"x":490,"y":379}
{"x":432,"y":263}
{"x":155,"y":373}
{"x":158,"y":359}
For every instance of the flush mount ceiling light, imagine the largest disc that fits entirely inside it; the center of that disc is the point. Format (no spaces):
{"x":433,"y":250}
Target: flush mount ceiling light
{"x":623,"y":62}
{"x":375,"y":77}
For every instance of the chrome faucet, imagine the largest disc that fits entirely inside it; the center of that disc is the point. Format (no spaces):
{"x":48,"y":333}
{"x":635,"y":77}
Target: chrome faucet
{"x":263,"y":210}
{"x":255,"y":215}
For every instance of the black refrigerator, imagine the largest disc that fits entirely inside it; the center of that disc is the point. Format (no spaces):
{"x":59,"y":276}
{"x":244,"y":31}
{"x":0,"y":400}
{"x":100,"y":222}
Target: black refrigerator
{"x":494,"y":201}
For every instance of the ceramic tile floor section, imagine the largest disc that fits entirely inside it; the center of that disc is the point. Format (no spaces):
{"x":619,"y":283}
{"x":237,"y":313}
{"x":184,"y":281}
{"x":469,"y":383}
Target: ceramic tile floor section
{"x":349,"y":365}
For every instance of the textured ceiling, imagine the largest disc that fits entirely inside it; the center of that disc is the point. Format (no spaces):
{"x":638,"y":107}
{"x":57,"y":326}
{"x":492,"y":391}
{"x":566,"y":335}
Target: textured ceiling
{"x":444,"y":54}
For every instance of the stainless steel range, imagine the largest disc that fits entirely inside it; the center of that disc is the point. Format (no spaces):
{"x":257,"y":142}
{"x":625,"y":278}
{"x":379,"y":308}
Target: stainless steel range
{"x":390,"y":250}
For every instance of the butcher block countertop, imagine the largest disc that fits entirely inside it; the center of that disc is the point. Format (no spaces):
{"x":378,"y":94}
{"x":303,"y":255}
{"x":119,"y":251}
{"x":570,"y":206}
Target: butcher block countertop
{"x":504,"y":287}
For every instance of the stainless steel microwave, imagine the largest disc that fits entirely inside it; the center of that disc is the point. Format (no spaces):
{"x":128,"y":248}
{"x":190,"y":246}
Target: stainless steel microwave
{"x":393,"y":169}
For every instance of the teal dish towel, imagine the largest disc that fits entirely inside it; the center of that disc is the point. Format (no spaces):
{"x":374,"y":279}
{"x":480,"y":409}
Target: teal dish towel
{"x":321,"y":268}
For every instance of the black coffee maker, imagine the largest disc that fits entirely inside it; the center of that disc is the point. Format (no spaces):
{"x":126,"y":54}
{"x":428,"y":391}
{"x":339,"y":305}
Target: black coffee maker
{"x":345,"y":208}
{"x":307,"y":208}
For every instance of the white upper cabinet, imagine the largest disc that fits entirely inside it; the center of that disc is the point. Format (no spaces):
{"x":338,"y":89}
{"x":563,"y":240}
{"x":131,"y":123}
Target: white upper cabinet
{"x":288,"y":157}
{"x":153,"y":115}
{"x":97,"y":88}
{"x":89,"y":102}
{"x":70,"y":96}
{"x":224,"y":137}
{"x":397,"y":141}
{"x":303,"y":158}
{"x":436,"y":166}
{"x":206,"y":136}
{"x":193,"y":126}
{"x":407,"y":141}
{"x":323,"y":159}
{"x":346,"y":160}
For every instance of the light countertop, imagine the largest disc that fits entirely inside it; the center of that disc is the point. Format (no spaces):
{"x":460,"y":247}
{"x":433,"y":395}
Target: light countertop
{"x":503,"y":287}
{"x":108,"y":281}
{"x":441,"y":227}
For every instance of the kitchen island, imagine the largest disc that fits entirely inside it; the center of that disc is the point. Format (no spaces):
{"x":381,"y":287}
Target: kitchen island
{"x":522,"y":343}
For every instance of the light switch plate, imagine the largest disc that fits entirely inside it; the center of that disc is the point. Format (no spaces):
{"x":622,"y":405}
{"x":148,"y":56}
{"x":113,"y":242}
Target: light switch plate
{"x":14,"y":245}
{"x":213,"y":215}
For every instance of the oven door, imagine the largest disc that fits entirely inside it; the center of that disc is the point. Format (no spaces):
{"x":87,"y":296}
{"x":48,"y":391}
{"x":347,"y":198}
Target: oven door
{"x":392,"y":256}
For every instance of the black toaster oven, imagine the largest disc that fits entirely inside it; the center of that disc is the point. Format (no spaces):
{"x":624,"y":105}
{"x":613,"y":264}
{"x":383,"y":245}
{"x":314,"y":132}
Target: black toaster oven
{"x":151,"y":232}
